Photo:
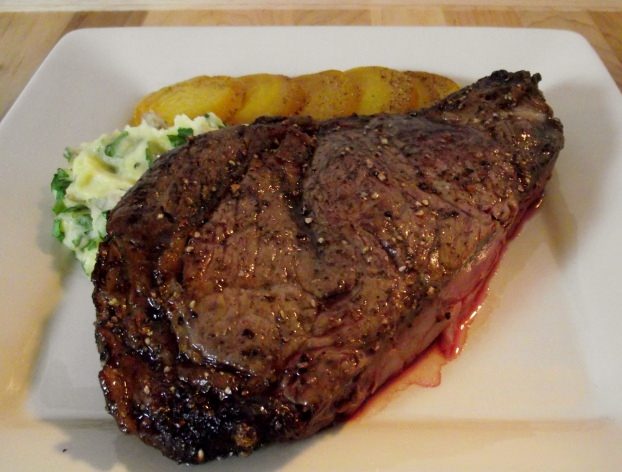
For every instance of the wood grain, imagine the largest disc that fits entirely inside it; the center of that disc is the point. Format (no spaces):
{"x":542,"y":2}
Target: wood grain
{"x":482,"y":17}
{"x":132,"y":5}
{"x":26,"y":38}
{"x":610,"y":25}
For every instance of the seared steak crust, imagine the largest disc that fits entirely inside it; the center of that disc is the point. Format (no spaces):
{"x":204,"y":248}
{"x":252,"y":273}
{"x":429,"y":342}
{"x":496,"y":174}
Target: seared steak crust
{"x":259,"y":283}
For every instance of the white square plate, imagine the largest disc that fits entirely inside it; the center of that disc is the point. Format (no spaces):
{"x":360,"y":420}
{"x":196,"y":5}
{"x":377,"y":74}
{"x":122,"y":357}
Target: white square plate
{"x":538,"y":386}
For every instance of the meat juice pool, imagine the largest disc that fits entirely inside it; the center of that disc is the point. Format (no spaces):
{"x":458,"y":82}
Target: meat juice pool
{"x":426,"y":369}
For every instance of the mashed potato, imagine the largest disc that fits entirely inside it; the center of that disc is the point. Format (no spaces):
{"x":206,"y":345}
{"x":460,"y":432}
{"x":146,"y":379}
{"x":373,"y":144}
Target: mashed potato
{"x":101,"y":171}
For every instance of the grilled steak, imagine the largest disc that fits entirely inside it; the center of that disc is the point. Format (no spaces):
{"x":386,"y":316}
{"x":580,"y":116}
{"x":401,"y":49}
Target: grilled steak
{"x":259,"y":283}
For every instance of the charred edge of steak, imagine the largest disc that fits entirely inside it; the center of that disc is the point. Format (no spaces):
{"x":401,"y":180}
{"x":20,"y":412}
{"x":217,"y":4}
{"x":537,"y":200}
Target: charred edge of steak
{"x":258,"y":284}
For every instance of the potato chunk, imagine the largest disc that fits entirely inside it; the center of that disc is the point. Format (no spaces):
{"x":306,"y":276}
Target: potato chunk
{"x":197,"y":96}
{"x":431,"y":88}
{"x":329,"y":94}
{"x":383,"y":90}
{"x":268,"y":95}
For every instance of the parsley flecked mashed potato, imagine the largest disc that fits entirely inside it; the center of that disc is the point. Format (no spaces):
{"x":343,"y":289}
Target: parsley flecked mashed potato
{"x":101,"y":171}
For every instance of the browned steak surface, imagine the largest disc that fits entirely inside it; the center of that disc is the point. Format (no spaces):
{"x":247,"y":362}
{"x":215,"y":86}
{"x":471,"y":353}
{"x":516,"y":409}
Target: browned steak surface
{"x":259,"y":283}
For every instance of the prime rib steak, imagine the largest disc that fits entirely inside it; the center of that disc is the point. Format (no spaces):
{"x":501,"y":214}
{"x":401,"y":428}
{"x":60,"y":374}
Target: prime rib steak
{"x":260,"y":282}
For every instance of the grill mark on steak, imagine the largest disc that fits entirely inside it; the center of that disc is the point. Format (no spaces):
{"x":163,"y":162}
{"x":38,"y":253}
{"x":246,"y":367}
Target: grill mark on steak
{"x":259,"y":283}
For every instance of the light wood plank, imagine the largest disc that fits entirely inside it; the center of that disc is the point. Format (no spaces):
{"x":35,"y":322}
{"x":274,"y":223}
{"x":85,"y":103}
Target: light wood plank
{"x":400,"y":16}
{"x":127,"y":5}
{"x":260,"y":17}
{"x":104,"y":19}
{"x":332,"y":17}
{"x":25,"y":40}
{"x":461,"y":16}
{"x":610,"y":25}
{"x":219,"y":17}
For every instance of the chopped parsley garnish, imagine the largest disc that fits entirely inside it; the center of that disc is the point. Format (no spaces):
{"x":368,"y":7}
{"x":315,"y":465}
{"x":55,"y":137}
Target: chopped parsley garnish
{"x":69,"y":153}
{"x":181,"y":137}
{"x":57,"y":230}
{"x":152,"y":151}
{"x":60,"y":182}
{"x":111,"y":149}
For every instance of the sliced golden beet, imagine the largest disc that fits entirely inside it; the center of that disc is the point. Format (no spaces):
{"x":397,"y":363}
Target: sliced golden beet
{"x":329,"y":94}
{"x":268,"y":95}
{"x":197,"y":96}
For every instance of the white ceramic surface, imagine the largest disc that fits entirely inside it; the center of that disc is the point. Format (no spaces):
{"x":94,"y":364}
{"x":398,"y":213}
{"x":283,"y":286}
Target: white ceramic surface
{"x":538,"y":385}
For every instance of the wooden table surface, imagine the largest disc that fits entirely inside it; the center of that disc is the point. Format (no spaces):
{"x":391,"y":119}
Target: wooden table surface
{"x":26,"y":38}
